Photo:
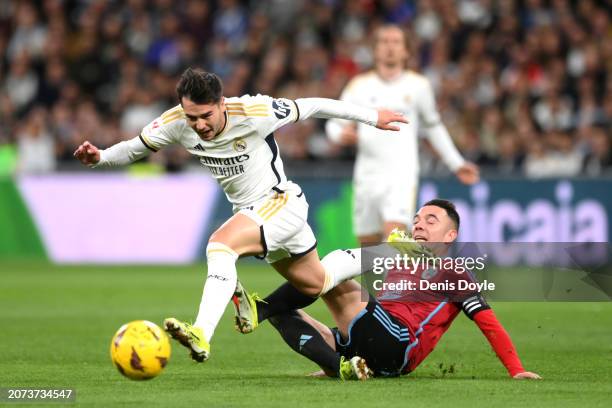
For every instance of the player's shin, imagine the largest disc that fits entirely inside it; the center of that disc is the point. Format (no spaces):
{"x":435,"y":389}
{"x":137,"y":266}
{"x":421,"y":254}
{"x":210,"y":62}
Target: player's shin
{"x":284,"y":299}
{"x":219,"y":286}
{"x":306,"y":340}
{"x":340,"y":265}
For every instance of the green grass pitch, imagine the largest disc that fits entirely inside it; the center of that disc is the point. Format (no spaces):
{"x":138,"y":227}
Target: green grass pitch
{"x":57,"y":322}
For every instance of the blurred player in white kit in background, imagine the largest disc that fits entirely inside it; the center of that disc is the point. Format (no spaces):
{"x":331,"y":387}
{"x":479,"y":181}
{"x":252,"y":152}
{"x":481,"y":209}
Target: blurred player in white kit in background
{"x":386,"y":171}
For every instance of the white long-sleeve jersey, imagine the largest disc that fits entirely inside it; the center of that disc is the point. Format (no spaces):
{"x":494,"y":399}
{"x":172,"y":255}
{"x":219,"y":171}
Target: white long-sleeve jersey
{"x":394,"y":154}
{"x":243,"y":157}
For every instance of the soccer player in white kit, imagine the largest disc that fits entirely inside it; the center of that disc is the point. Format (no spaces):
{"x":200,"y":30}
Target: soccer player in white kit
{"x":233,"y":138}
{"x":387,"y":168}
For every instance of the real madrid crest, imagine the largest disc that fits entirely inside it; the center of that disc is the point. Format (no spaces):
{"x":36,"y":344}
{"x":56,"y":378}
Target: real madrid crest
{"x":240,"y":145}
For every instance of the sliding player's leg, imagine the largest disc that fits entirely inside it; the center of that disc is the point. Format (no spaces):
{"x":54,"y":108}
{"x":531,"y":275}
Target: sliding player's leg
{"x":366,"y":330}
{"x":315,"y":341}
{"x":310,"y":338}
{"x":345,"y":302}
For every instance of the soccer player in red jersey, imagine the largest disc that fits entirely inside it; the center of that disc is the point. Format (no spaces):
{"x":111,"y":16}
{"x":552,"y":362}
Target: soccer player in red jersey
{"x":395,"y":332}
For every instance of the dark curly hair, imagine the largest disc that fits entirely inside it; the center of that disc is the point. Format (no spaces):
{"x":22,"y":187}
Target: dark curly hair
{"x":199,"y":86}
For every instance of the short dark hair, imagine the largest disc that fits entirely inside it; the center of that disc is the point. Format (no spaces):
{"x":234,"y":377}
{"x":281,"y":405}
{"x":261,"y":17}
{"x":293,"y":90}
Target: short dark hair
{"x":199,"y":86}
{"x":449,"y":207}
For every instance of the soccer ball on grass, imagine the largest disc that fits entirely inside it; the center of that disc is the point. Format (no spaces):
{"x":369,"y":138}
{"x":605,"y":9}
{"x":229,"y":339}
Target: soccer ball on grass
{"x":140,"y":350}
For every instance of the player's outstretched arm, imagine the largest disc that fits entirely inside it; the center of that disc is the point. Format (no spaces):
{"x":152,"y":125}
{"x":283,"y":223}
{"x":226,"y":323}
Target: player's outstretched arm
{"x":119,"y":154}
{"x":324,"y":108}
{"x":500,"y":341}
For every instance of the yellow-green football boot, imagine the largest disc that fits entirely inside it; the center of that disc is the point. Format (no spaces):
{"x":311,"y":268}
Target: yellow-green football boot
{"x":245,"y":309}
{"x":406,"y":245}
{"x":354,"y":369}
{"x":189,"y":336}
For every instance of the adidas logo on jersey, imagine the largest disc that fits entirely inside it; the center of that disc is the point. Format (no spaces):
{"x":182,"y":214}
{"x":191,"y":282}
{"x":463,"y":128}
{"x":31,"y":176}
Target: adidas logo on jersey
{"x":199,"y":147}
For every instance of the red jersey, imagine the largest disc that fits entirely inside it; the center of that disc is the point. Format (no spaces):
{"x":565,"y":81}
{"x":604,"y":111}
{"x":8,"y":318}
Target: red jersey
{"x":426,"y":322}
{"x":428,"y":313}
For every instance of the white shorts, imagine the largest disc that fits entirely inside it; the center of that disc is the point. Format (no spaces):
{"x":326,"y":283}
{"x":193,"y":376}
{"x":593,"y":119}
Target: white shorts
{"x":377,"y":202}
{"x":282,"y":218}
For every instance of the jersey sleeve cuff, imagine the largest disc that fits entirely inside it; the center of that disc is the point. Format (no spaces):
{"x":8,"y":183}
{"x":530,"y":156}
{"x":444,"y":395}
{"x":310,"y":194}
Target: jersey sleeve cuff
{"x":297,"y":111}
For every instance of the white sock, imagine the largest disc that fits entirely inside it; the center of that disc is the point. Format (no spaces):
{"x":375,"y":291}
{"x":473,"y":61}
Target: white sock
{"x":340,"y":265}
{"x":219,"y":287}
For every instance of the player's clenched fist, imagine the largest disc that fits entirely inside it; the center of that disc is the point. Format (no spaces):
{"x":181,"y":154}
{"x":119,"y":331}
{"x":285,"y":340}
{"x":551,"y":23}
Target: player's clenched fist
{"x":87,"y":153}
{"x":386,"y":117}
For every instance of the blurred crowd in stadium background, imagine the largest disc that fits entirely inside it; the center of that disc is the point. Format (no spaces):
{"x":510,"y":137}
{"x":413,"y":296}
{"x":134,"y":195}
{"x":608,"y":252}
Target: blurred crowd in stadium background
{"x":524,"y":87}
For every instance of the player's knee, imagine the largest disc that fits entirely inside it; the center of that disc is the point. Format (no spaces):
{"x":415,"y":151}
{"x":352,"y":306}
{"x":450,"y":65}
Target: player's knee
{"x":238,"y":242}
{"x":219,"y":237}
{"x":218,"y":250}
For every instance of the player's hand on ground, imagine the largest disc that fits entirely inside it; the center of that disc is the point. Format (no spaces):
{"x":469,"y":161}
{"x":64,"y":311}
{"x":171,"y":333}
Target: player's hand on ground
{"x":468,"y":173}
{"x":317,"y":374}
{"x":87,"y":153}
{"x":348,"y":135}
{"x":386,"y":117}
{"x":527,"y":375}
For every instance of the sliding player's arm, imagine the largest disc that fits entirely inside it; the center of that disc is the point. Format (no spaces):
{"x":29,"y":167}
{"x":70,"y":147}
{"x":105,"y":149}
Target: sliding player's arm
{"x":438,"y":136}
{"x":477,"y":309}
{"x":153,"y":137}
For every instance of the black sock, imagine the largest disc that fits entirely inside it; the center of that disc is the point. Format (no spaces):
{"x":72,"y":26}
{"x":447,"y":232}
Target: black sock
{"x":283,"y":299}
{"x":306,"y":340}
